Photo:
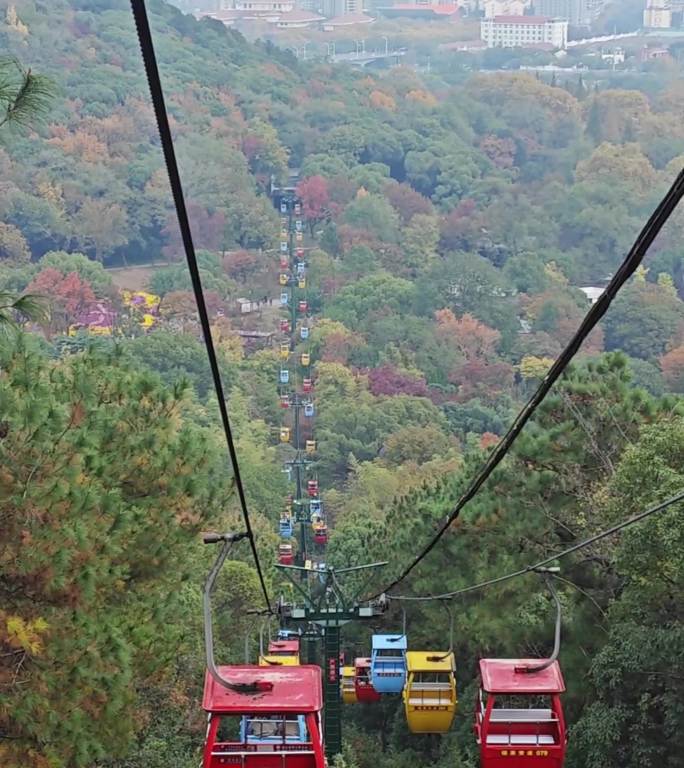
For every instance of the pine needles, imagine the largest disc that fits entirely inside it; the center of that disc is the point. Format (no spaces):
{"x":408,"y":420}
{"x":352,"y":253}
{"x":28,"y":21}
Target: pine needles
{"x":24,"y":96}
{"x":15,"y":308}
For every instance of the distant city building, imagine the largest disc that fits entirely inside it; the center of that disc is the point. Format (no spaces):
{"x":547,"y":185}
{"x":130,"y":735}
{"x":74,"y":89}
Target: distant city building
{"x":238,"y":10}
{"x":573,"y":11}
{"x":493,"y":8}
{"x":524,"y":32}
{"x":654,"y":53}
{"x":334,"y":8}
{"x":592,"y":292}
{"x":346,"y":20}
{"x":422,"y":9}
{"x":658,"y":14}
{"x":298,"y":19}
{"x":614,"y":57}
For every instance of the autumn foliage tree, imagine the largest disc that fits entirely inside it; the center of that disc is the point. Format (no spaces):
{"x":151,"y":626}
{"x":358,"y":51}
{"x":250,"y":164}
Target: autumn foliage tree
{"x":240,"y":264}
{"x":389,"y":380}
{"x":672,"y":366}
{"x":208,"y":231}
{"x":69,"y":296}
{"x":480,"y":373}
{"x":315,"y":197}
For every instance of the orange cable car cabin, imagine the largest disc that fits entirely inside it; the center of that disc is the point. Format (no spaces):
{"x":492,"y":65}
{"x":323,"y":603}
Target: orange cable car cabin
{"x":519,"y":719}
{"x":295,"y":693}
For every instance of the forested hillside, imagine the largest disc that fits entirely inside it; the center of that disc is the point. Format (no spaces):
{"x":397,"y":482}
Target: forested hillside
{"x":449,"y":232}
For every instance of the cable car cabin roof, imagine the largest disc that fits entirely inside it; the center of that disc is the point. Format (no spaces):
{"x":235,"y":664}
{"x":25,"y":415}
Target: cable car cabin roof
{"x":283,"y":646}
{"x":295,"y":689}
{"x":362,"y":661}
{"x":391,"y":642}
{"x":276,"y":660}
{"x":499,"y":676}
{"x":430,"y":661}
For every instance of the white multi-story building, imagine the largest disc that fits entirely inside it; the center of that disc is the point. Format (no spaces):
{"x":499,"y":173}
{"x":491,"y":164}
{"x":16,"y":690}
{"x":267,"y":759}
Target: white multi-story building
{"x":575,"y":11}
{"x":524,"y":32}
{"x":658,"y":14}
{"x":494,"y":8}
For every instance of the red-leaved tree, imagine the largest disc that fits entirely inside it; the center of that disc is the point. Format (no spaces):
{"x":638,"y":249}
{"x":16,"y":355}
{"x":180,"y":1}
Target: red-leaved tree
{"x":388,"y":380}
{"x":208,"y":231}
{"x":69,"y":296}
{"x":315,"y":197}
{"x":672,"y":366}
{"x":406,"y":201}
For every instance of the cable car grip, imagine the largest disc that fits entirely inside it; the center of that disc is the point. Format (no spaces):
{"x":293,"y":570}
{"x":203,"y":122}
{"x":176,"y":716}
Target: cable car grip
{"x":214,"y":538}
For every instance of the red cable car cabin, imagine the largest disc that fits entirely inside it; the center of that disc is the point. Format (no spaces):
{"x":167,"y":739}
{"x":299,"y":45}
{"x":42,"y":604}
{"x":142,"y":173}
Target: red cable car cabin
{"x":295,"y":692}
{"x":518,"y":717}
{"x":362,"y":681}
{"x":285,"y":554}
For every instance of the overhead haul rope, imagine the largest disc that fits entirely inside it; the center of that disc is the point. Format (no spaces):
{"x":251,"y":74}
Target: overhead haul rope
{"x":157,"y":94}
{"x":537,"y":566}
{"x":633,"y":259}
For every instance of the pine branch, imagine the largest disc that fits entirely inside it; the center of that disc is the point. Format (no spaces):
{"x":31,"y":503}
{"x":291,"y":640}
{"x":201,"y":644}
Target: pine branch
{"x":14,"y":309}
{"x":24,"y":96}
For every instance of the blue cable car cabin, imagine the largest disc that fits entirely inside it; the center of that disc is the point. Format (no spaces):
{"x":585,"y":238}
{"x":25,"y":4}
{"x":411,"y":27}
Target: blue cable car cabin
{"x":388,"y":663}
{"x":315,"y":506}
{"x":273,"y":729}
{"x":284,"y":376}
{"x":284,"y":298}
{"x":286,"y":527}
{"x":304,"y":331}
{"x":308,"y":409}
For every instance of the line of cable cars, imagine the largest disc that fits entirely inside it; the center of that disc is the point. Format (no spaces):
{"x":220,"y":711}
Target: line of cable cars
{"x":519,"y":718}
{"x":425,"y":679}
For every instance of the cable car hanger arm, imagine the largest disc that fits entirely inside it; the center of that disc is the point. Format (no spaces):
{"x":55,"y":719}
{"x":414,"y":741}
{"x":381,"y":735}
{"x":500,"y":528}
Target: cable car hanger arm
{"x":530,"y":670}
{"x":228,"y":540}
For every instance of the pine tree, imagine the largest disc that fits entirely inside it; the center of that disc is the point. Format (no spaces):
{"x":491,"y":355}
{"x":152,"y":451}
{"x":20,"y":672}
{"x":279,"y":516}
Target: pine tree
{"x":104,"y":484}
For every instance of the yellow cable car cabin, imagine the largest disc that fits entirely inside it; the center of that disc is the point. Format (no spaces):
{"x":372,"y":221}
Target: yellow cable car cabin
{"x":430,"y":692}
{"x":301,"y":283}
{"x":283,"y":279}
{"x":283,"y":652}
{"x":306,"y":358}
{"x":347,"y":685}
{"x":272,"y":660}
{"x":284,"y":434}
{"x":284,"y":350}
{"x":311,"y":446}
